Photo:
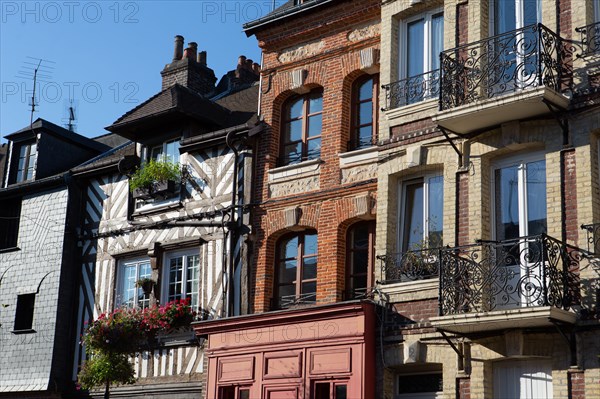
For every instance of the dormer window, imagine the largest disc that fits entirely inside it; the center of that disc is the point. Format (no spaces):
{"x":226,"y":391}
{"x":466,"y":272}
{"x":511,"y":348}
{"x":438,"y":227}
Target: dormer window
{"x":167,"y":151}
{"x":26,"y":163}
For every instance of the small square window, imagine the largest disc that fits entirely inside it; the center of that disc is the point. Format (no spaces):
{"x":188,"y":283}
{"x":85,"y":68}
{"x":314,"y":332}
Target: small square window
{"x":24,"y":314}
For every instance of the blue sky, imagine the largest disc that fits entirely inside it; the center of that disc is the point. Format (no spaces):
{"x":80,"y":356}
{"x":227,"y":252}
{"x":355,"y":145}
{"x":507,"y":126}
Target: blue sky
{"x":106,"y":56}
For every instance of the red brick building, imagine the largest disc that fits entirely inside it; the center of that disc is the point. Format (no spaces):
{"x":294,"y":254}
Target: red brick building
{"x":314,"y":215}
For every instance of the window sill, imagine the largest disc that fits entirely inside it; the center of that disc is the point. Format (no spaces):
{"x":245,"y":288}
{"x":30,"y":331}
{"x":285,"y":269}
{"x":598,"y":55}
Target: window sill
{"x":11,"y":249}
{"x":306,"y":168}
{"x":157,"y":207}
{"x":26,"y":331}
{"x":358,"y":157}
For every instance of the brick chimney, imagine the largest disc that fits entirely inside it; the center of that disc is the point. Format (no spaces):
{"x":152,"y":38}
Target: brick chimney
{"x":189,"y":69}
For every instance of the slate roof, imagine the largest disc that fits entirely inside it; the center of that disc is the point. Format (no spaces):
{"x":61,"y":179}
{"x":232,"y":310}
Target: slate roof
{"x":242,"y":105}
{"x":285,"y":10}
{"x":107,"y":160}
{"x":174,"y":99}
{"x":49,"y":127}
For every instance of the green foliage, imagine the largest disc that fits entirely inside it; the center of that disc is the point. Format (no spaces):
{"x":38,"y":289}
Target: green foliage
{"x":106,"y":366}
{"x":154,"y":171}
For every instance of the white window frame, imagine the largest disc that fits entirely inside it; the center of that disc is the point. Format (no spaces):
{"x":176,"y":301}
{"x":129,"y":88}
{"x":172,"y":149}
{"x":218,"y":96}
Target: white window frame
{"x":120,"y":286}
{"x":166,"y":266}
{"x":403,"y":42}
{"x":402,"y":207}
{"x":150,"y":149}
{"x":519,"y":17}
{"x":519,"y":161}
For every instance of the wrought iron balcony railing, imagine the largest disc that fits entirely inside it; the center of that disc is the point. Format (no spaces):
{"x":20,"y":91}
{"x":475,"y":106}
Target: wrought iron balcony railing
{"x":525,"y":58}
{"x":593,"y":237}
{"x":410,"y":265}
{"x":590,"y":38}
{"x":412,"y":90}
{"x":290,"y":301}
{"x":524,"y":272}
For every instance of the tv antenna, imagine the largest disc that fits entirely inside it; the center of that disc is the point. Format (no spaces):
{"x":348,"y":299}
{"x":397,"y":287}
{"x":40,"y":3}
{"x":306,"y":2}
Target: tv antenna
{"x":38,"y":70}
{"x":70,"y":115}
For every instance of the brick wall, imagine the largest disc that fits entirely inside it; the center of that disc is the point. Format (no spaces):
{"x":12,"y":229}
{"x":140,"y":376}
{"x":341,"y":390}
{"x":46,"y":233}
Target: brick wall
{"x":569,"y":187}
{"x":463,"y":387}
{"x":576,"y":384}
{"x":330,"y":55}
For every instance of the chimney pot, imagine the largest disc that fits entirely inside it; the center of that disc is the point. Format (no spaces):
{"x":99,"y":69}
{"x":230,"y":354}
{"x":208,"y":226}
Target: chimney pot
{"x":178,"y":52}
{"x":256,"y":68}
{"x":248,"y":64}
{"x":193,"y":46}
{"x":202,"y":58}
{"x":242,"y":60}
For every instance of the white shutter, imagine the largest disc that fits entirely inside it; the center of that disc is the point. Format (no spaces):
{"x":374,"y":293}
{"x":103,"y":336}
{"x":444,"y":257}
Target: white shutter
{"x":527,"y":379}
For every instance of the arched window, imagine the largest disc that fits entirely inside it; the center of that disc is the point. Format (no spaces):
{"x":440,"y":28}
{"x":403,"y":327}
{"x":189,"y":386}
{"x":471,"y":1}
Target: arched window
{"x":360,"y":258}
{"x":364,"y":112}
{"x":296,"y":268}
{"x":301,"y":130}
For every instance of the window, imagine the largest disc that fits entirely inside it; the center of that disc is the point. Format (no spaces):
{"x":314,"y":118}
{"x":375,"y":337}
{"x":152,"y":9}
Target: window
{"x":24,"y":313}
{"x":169,"y":150}
{"x":331,"y":390}
{"x":520,"y":199}
{"x":182,"y":277}
{"x":297,"y":269}
{"x":302,"y":124}
{"x":128,"y":292}
{"x":10,"y":213}
{"x":422,"y":43}
{"x":422,"y":213}
{"x":26,"y":162}
{"x":508,"y":15}
{"x":425,"y":385}
{"x":360,"y":258}
{"x":234,"y":392}
{"x":524,"y":379}
{"x":596,"y":10}
{"x":364,"y":112}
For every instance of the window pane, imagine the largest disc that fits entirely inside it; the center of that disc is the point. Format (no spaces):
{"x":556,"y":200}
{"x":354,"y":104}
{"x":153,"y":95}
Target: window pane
{"x":172,"y":151}
{"x":130,"y":291}
{"x":293,"y":131}
{"x":292,"y":153}
{"x":315,"y":126}
{"x":365,"y":113}
{"x":530,"y":12}
{"x":309,"y":291}
{"x":504,"y":16}
{"x":436,"y":206}
{"x":193,"y":280}
{"x":413,"y":217}
{"x":507,"y":203}
{"x":314,"y":149}
{"x":415,"y":44}
{"x":360,"y":261}
{"x":156,"y":152}
{"x":287,"y":271}
{"x":437,"y":40}
{"x":365,"y":136}
{"x":365,"y":91}
{"x":295,"y":109}
{"x":340,"y":392}
{"x":309,"y":269}
{"x":310,"y":244}
{"x":290,"y":247}
{"x":536,"y":198}
{"x":315,"y":103}
{"x":175,"y":278}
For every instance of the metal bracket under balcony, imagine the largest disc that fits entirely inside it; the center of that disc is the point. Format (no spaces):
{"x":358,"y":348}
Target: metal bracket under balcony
{"x":494,"y":285}
{"x":502,"y":78}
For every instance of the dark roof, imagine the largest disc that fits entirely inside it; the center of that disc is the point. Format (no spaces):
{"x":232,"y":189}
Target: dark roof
{"x":49,"y":127}
{"x":286,"y":10}
{"x":111,"y":139}
{"x":174,"y":99}
{"x":242,"y":105}
{"x":107,"y":160}
{"x":3,"y":152}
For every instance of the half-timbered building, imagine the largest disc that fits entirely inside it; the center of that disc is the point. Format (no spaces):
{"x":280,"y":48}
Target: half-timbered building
{"x":190,"y":238}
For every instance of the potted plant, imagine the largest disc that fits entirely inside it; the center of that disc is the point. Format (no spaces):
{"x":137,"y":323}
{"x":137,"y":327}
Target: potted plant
{"x":146,"y":284}
{"x":155,"y":179}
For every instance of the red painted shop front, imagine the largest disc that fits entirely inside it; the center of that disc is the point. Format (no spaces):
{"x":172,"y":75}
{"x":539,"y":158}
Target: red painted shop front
{"x":323,"y":352}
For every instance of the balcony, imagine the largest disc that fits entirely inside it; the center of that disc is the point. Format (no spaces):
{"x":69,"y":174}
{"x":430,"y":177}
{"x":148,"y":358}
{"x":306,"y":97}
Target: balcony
{"x":409,"y":266}
{"x":525,"y":282}
{"x":505,"y":77}
{"x":593,"y":237}
{"x":590,"y":38}
{"x":412,"y":90}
